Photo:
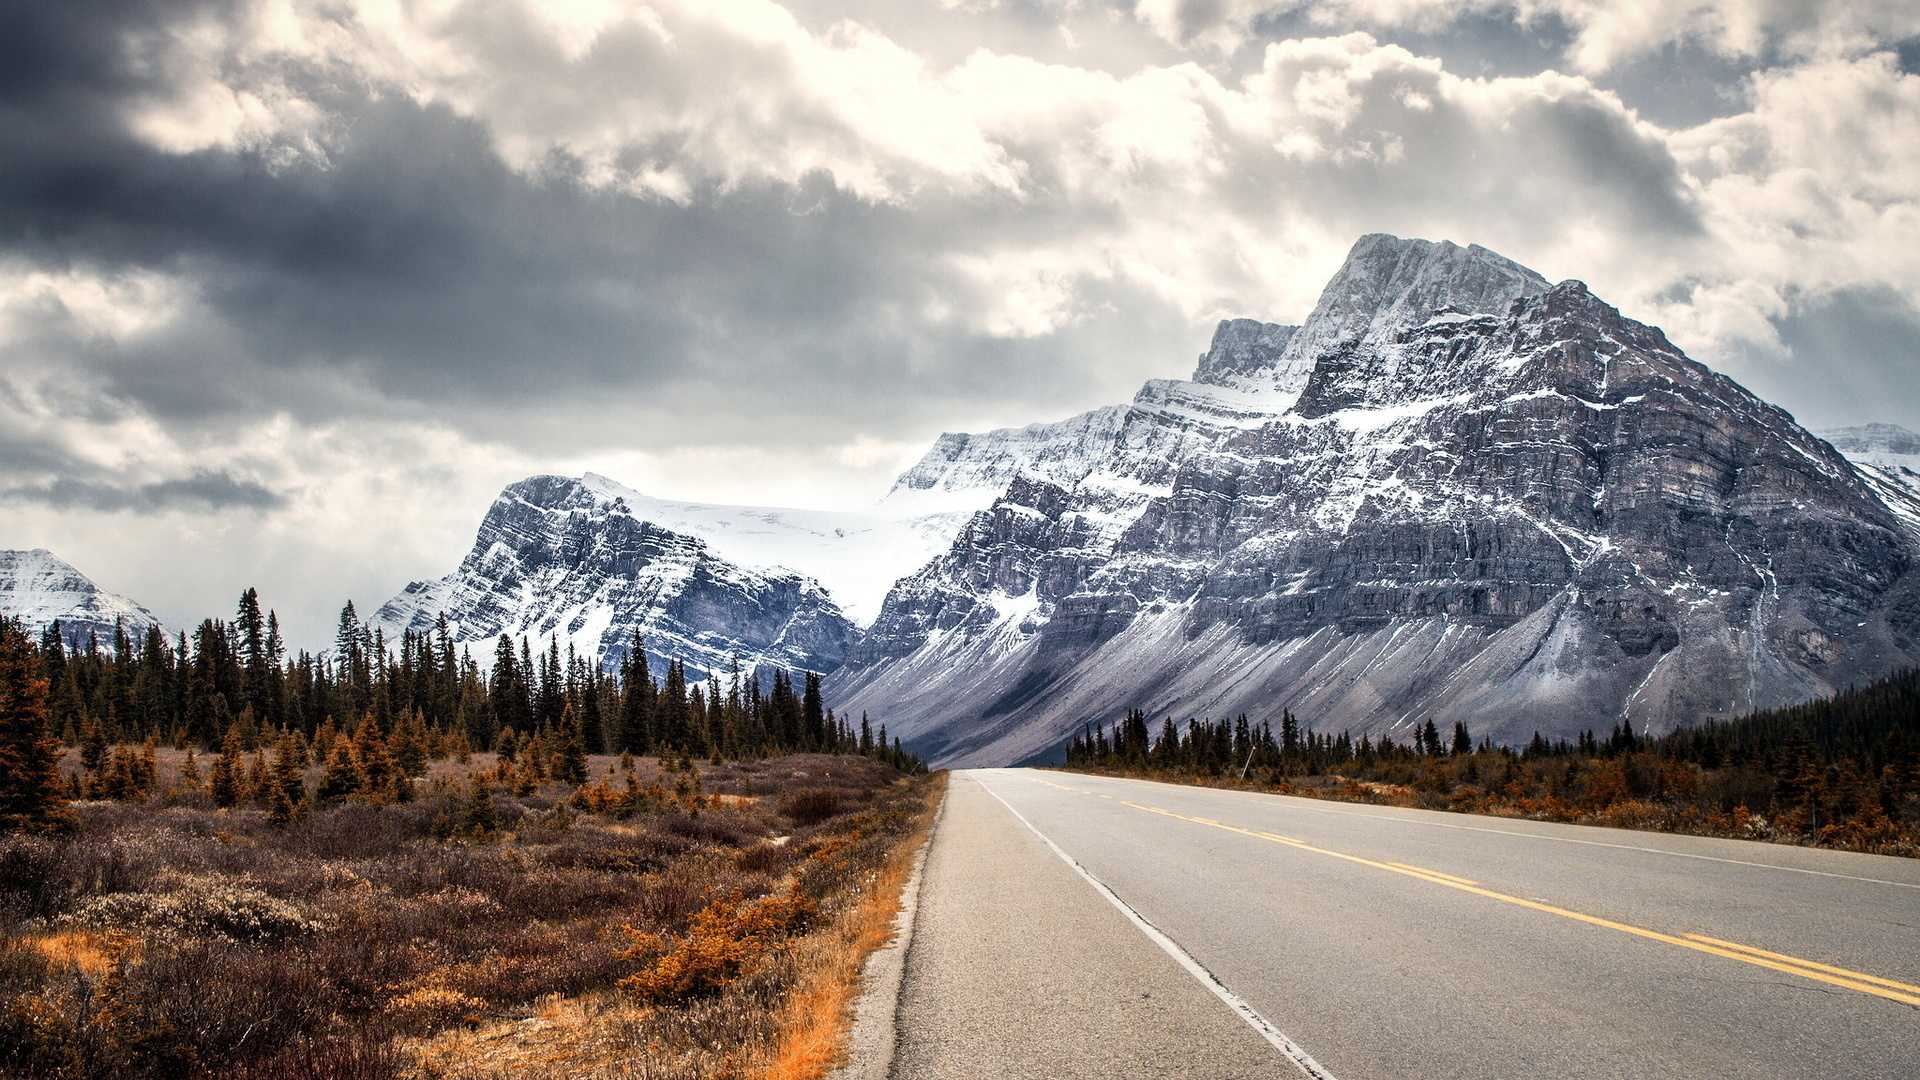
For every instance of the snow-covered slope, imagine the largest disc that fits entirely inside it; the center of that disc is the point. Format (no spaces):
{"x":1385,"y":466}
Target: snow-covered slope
{"x":39,"y":588}
{"x":574,"y":560}
{"x":1454,"y":492}
{"x":1888,"y":457}
{"x":857,"y":557}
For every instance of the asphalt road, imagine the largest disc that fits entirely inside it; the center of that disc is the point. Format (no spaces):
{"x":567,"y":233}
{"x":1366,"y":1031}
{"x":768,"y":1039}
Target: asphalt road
{"x":1369,"y":942}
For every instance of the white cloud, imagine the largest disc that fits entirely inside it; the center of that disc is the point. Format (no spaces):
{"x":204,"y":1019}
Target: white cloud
{"x":1605,"y":32}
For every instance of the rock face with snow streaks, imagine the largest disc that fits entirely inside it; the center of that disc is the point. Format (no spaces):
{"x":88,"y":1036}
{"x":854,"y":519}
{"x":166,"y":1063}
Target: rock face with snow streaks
{"x":566,"y":558}
{"x":39,"y":588}
{"x":1456,"y":492}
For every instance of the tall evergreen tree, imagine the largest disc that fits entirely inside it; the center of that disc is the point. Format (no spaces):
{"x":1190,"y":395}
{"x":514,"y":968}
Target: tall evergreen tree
{"x":32,"y":797}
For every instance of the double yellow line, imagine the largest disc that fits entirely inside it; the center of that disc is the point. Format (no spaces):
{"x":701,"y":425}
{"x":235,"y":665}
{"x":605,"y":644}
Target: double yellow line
{"x":1904,"y":993}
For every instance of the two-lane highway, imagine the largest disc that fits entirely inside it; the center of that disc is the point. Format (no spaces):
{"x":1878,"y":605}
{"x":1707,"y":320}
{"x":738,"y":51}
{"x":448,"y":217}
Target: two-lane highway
{"x":1082,"y":926}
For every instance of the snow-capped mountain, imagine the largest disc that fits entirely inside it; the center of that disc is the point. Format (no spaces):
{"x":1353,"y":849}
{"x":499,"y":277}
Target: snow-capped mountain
{"x":579,"y":560}
{"x":39,"y":588}
{"x":1455,"y":492}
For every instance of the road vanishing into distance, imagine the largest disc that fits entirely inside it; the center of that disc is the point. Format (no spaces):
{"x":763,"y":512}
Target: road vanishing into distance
{"x":1076,"y":926}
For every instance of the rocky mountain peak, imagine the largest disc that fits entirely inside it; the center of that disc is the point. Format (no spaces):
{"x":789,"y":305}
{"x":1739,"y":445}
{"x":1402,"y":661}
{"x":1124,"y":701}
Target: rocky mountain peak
{"x":573,"y":559}
{"x":1388,"y":285}
{"x":1485,"y":498}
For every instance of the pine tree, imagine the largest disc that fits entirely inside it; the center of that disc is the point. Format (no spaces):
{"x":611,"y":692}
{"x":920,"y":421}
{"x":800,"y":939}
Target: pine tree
{"x":479,"y":819}
{"x":570,"y":757}
{"x":286,"y":787}
{"x":1429,"y":739}
{"x":258,"y":779}
{"x":408,"y":747}
{"x":289,"y":770}
{"x":670,"y":710}
{"x":340,"y":778}
{"x":370,"y":754}
{"x":812,"y":715}
{"x":593,"y":727}
{"x":93,"y":745}
{"x":1462,"y":740}
{"x":637,"y":700}
{"x":225,"y":786}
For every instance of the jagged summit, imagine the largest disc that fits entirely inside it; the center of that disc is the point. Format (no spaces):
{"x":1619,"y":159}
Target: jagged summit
{"x":965,"y":472}
{"x":38,"y":588}
{"x":1386,"y":286}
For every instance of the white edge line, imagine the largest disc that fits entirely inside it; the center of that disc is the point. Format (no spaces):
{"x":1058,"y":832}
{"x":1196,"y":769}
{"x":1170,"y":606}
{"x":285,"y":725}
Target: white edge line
{"x":1300,"y":1058}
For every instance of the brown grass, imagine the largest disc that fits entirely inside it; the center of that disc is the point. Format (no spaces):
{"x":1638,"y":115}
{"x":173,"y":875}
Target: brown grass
{"x":166,"y":938}
{"x":820,"y":1010}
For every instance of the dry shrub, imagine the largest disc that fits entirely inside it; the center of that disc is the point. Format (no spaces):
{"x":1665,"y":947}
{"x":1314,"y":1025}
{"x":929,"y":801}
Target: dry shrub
{"x":198,"y":908}
{"x":727,"y":939}
{"x":811,"y":806}
{"x":31,"y":883}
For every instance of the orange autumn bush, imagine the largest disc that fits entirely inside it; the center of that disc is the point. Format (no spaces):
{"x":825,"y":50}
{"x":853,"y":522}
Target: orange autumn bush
{"x":724,"y":941}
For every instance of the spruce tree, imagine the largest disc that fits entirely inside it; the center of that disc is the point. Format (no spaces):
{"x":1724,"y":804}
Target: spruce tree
{"x":479,"y":819}
{"x":370,"y":754}
{"x":289,"y":771}
{"x":340,"y":778}
{"x":225,"y":787}
{"x":570,"y":757}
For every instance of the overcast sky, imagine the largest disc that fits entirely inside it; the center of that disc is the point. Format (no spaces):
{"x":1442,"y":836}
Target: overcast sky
{"x":290,"y":288}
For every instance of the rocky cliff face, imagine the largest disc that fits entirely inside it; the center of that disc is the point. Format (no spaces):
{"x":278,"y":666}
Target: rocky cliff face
{"x":39,"y":588}
{"x":1456,"y":492}
{"x":570,"y":558}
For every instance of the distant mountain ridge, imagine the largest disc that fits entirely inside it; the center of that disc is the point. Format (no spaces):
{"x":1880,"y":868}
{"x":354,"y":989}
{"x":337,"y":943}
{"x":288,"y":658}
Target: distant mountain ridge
{"x":1455,"y":492}
{"x":39,"y":588}
{"x":569,"y":560}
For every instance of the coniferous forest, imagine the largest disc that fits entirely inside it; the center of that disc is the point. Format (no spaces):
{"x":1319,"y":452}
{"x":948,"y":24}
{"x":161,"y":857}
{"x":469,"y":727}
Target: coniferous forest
{"x":234,"y":680}
{"x":1842,"y":772}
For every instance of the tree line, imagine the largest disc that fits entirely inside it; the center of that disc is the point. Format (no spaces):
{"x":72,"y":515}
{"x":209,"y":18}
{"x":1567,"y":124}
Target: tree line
{"x":231,"y":686}
{"x":1843,"y":771}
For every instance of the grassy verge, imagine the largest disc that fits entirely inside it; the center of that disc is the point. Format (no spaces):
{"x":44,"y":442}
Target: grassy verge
{"x":711,"y":927}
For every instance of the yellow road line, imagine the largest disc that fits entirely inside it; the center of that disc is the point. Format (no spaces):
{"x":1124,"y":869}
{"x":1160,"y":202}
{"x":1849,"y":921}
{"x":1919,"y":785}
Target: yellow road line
{"x":1436,"y":873}
{"x":1864,"y":977}
{"x":1806,"y":969}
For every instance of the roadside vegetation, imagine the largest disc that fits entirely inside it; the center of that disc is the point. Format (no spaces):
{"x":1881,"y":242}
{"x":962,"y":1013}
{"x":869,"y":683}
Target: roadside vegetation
{"x":1842,"y":773}
{"x":382,"y":898}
